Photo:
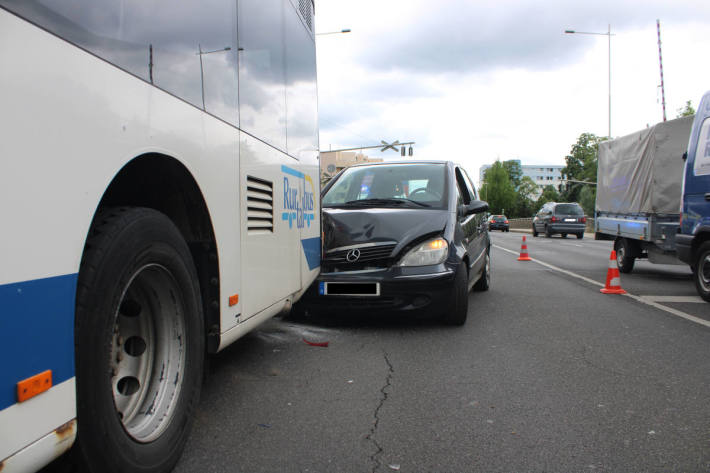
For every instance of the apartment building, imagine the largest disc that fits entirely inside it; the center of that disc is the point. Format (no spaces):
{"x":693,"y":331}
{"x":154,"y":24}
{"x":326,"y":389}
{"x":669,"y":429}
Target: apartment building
{"x":332,"y":162}
{"x":541,"y":174}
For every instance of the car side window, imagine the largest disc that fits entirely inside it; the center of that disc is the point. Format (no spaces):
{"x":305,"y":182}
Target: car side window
{"x":469,"y":184}
{"x":461,"y":187}
{"x":459,"y":198}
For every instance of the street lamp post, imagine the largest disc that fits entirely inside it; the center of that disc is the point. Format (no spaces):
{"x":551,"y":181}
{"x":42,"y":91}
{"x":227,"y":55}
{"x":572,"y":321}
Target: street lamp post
{"x":608,"y":34}
{"x":202,"y":74}
{"x":346,"y":30}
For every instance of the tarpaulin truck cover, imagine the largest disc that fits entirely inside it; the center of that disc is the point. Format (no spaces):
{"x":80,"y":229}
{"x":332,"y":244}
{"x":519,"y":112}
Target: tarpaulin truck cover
{"x":642,"y":173}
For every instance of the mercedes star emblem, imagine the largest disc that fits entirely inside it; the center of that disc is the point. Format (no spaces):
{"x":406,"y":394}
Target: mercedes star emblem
{"x":353,"y":255}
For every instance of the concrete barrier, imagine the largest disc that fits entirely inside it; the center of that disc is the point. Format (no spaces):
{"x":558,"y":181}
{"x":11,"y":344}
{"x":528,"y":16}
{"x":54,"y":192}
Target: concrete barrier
{"x":525,"y":224}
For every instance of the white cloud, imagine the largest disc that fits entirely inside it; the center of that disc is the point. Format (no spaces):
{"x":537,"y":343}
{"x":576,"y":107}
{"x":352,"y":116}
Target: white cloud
{"x":474,"y":81}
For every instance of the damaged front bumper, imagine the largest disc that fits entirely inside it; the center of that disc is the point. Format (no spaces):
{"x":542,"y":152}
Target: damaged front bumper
{"x":403,"y":289}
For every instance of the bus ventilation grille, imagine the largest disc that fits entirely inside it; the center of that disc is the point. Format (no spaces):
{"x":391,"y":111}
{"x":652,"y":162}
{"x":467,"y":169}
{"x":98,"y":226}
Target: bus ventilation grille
{"x":306,"y":8}
{"x":260,"y":206}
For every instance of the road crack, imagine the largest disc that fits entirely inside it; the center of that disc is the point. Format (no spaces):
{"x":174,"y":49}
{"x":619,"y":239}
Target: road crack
{"x":375,"y":457}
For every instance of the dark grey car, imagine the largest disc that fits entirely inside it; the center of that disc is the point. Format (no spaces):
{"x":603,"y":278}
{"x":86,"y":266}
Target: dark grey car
{"x":562,"y":218}
{"x":406,"y":236}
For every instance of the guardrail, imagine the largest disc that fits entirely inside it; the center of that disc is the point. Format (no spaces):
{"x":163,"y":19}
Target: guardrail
{"x":526,"y":224}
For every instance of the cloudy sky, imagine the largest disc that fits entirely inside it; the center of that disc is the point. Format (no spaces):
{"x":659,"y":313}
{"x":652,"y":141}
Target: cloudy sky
{"x":473,"y":80}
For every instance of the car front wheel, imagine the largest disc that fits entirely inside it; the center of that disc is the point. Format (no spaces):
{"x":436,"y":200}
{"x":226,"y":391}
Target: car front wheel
{"x":457,"y":311}
{"x":484,"y":282}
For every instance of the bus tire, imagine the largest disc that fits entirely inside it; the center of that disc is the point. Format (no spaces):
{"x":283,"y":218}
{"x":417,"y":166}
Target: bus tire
{"x":139,"y":343}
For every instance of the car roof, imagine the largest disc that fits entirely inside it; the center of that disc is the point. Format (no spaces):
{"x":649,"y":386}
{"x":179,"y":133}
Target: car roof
{"x":386,"y":163}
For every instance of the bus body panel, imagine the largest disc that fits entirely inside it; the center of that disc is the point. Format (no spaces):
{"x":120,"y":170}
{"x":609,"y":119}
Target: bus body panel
{"x":50,"y":213}
{"x":268,"y":255}
{"x":23,"y":423}
{"x":61,"y":147}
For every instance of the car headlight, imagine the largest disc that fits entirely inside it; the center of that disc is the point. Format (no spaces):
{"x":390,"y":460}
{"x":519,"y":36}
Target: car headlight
{"x":430,"y":252}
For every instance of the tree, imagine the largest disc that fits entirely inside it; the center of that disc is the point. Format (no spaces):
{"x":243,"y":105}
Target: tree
{"x":549,"y":194}
{"x":515,"y":171}
{"x":686,"y":111}
{"x":581,"y":165}
{"x":587,"y":198}
{"x":524,"y":200}
{"x":497,"y":189}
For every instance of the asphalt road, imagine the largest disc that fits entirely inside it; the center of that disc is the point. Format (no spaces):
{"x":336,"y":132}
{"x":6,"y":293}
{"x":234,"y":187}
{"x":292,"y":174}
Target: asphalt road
{"x":548,"y":374}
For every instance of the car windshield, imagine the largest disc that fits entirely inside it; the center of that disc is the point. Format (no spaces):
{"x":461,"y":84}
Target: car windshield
{"x":568,"y":209}
{"x":395,"y":185}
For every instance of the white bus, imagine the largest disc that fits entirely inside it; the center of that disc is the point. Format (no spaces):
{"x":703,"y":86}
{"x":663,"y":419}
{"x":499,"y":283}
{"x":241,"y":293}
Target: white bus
{"x":159,"y":195}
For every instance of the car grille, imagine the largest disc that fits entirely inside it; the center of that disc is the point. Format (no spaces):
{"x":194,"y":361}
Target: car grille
{"x":377,"y":256}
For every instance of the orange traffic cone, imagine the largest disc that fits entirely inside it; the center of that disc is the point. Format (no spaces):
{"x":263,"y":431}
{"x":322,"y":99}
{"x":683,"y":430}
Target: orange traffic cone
{"x":613,"y":281}
{"x":524,"y":256}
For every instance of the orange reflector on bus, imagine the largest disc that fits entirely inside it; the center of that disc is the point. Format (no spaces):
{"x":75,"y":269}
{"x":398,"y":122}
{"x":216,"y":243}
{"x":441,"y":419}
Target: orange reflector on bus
{"x":233,"y":300}
{"x":34,"y":385}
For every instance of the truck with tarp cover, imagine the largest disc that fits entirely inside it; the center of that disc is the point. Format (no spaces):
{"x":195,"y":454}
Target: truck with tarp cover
{"x":639,"y":189}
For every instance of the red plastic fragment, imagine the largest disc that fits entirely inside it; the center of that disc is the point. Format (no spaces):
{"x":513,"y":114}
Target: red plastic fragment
{"x":316,"y":344}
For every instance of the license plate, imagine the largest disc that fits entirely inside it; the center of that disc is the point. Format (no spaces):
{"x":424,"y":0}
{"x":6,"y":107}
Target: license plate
{"x":570,"y":220}
{"x":359,"y":289}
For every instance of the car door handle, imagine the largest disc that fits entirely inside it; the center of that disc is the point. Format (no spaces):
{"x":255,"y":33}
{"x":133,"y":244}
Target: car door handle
{"x":707,"y":196}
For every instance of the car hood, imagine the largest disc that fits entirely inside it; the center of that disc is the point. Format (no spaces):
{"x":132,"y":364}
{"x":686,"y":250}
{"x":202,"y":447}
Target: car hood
{"x":345,"y":227}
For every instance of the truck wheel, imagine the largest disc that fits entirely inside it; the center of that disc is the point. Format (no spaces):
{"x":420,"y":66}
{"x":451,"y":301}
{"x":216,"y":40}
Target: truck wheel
{"x":564,"y":235}
{"x":580,"y":236}
{"x":457,"y":311}
{"x":701,"y":271}
{"x":534,"y":231}
{"x":139,"y":343}
{"x":623,"y":260}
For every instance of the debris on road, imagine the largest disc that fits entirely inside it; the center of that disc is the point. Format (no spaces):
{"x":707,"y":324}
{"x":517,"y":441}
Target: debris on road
{"x":316,"y":344}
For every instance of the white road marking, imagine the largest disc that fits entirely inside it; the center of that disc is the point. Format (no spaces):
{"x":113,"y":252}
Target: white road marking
{"x":648,"y":300}
{"x":693,"y":299}
{"x":555,"y":268}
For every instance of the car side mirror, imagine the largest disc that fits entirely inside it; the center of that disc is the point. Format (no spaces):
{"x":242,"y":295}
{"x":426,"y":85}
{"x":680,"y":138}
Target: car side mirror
{"x":475,"y":207}
{"x":685,"y":156}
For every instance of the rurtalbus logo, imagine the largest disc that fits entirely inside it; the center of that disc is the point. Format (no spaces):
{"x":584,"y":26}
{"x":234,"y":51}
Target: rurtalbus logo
{"x":298,"y":202}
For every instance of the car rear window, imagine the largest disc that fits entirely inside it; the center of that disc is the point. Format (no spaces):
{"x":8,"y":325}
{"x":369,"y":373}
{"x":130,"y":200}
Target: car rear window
{"x":568,"y":209}
{"x":499,"y":219}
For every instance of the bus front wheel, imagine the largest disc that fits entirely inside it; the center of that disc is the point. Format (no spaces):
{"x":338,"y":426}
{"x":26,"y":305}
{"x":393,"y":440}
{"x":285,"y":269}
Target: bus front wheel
{"x":139,"y":343}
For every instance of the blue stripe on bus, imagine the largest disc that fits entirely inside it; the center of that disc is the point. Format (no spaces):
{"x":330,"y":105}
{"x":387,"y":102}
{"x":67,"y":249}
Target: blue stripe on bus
{"x":36,"y":332}
{"x":311,"y":248}
{"x":292,"y":172}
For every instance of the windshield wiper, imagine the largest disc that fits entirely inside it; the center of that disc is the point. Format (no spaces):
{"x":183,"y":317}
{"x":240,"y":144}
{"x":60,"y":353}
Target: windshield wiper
{"x":376,"y":202}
